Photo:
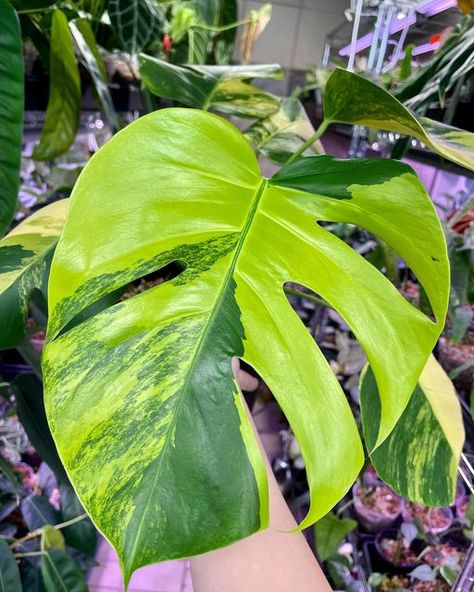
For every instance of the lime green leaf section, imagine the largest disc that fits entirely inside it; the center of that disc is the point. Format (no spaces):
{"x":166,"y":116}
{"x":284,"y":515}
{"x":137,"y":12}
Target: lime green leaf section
{"x":386,"y":198}
{"x":25,"y":254}
{"x":141,"y":399}
{"x":62,"y":114}
{"x":329,"y":532}
{"x":11,"y":112}
{"x":60,"y":573}
{"x":225,"y":89}
{"x":85,"y":39}
{"x":280,"y":135}
{"x":420,"y":457}
{"x":349,"y":98}
{"x":9,"y":573}
{"x":51,"y":538}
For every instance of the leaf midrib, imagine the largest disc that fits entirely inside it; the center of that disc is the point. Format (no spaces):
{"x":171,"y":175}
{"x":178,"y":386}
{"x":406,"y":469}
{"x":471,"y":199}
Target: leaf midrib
{"x":222,"y":291}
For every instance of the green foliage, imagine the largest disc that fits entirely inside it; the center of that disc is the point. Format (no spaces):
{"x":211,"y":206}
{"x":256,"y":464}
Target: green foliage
{"x":153,"y":435}
{"x":349,"y":98}
{"x":51,"y":538}
{"x":329,"y":533}
{"x":453,"y":60}
{"x":278,"y":136}
{"x":224,"y":89}
{"x":25,"y":254}
{"x":134,"y":23}
{"x":11,"y":112}
{"x":60,"y":572}
{"x":9,"y":573}
{"x":62,"y":115}
{"x":85,"y":39}
{"x":419,"y":459}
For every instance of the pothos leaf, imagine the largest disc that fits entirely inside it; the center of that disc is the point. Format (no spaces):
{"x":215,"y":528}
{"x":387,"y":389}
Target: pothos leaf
{"x":9,"y":573}
{"x":25,"y":255}
{"x":141,"y":398}
{"x":11,"y":112}
{"x":419,"y":459}
{"x":349,"y":98}
{"x":64,"y":104}
{"x":225,"y":89}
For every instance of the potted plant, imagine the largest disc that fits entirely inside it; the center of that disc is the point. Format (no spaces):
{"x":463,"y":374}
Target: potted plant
{"x":377,"y":507}
{"x":434,"y":520}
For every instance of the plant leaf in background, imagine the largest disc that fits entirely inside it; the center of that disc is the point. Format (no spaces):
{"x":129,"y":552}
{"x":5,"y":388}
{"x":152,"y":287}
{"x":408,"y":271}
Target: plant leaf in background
{"x":31,"y":5}
{"x":420,"y":457}
{"x":259,"y":19}
{"x":9,"y":573}
{"x":277,"y":137}
{"x":329,"y":532}
{"x":225,"y":89}
{"x":153,"y":432}
{"x":11,"y":112}
{"x":134,"y":23}
{"x":64,"y":104}
{"x":82,"y":535}
{"x":52,"y":538}
{"x":60,"y":572}
{"x":37,"y":511}
{"x":208,"y":13}
{"x":349,"y":98}
{"x":25,"y":254}
{"x":29,"y":399}
{"x":85,"y":39}
{"x":224,"y":41}
{"x":452,"y":61}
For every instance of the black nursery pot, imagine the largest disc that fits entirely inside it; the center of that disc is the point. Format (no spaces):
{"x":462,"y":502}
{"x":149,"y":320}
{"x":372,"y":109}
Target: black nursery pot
{"x":385,"y":563}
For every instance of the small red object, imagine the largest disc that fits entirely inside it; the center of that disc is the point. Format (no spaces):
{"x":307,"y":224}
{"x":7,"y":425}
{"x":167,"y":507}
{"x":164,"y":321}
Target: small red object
{"x":166,"y":43}
{"x":435,"y":39}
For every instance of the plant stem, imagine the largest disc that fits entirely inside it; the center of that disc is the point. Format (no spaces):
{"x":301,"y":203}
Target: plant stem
{"x":311,"y":297}
{"x":223,"y":28}
{"x":37,"y":532}
{"x":317,"y":134}
{"x":31,"y":554}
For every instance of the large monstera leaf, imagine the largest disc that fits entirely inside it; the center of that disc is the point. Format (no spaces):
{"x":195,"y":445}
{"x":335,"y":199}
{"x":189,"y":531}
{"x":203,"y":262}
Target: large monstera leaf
{"x":141,"y":398}
{"x":225,"y":89}
{"x":419,"y":459}
{"x":349,"y":98}
{"x":25,"y":255}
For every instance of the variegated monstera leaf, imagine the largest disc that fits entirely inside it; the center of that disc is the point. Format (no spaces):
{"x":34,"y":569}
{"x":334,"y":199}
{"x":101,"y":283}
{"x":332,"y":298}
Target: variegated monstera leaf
{"x":141,"y":397}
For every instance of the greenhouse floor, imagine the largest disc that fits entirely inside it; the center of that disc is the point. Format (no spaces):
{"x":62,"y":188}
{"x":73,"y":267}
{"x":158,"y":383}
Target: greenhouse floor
{"x":170,"y":576}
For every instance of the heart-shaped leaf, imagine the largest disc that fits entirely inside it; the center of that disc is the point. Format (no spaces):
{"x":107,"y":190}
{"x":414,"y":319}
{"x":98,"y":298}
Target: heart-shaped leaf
{"x":225,"y":89}
{"x":419,"y":459}
{"x":64,"y":103}
{"x":141,"y":398}
{"x":11,"y":112}
{"x":349,"y":98}
{"x":25,"y":255}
